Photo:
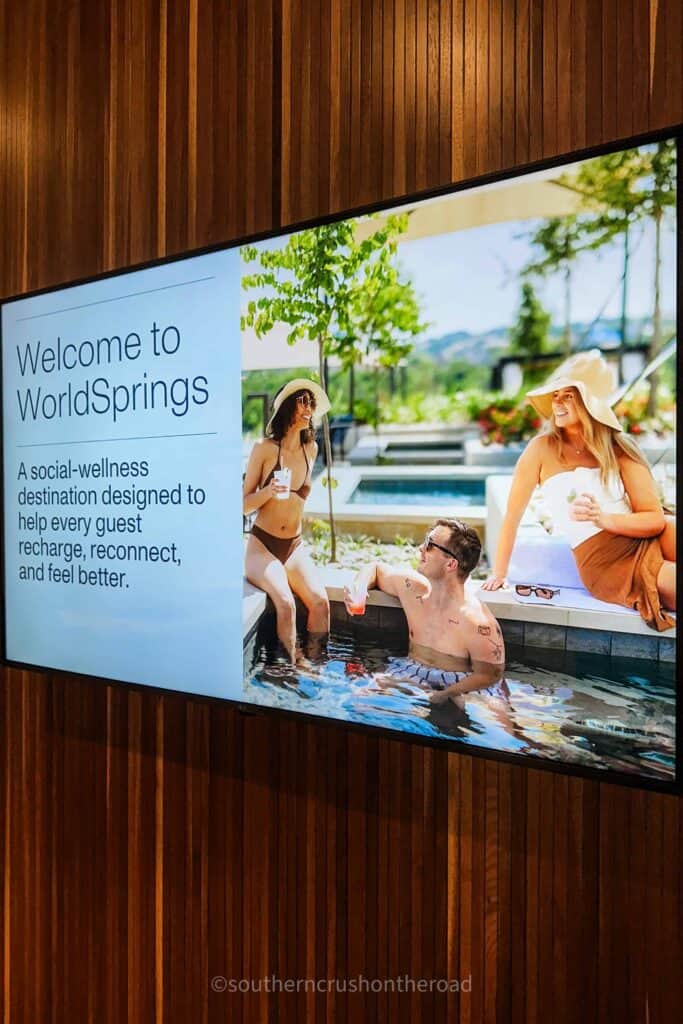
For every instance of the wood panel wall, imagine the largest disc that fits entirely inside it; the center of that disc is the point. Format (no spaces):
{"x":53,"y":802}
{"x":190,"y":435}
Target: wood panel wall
{"x":150,"y":842}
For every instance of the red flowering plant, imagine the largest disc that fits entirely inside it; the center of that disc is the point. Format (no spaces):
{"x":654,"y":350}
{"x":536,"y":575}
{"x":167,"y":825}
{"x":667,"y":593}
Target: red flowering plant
{"x":632,"y":414}
{"x":504,"y":420}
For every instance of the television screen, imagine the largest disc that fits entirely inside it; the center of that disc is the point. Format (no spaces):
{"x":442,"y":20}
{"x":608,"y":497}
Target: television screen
{"x":412,"y":469}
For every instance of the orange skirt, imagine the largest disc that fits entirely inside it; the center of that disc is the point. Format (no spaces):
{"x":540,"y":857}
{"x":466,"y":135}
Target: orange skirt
{"x":624,"y":570}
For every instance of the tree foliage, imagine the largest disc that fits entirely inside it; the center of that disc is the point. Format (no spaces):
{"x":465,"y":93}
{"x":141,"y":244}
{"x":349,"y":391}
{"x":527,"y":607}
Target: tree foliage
{"x":340,"y":291}
{"x":529,"y":334}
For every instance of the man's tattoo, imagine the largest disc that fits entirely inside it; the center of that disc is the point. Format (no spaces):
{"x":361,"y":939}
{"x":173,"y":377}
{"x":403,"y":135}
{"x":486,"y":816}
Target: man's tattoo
{"x":456,"y":622}
{"x":484,"y":630}
{"x":408,"y":583}
{"x":497,"y":650}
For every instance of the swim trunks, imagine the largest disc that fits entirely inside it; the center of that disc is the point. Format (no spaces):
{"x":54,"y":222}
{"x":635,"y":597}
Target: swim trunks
{"x":409,"y":670}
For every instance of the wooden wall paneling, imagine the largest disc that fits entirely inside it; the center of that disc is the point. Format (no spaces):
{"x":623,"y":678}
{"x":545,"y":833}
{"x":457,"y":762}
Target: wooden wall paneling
{"x":16,"y":140}
{"x":536,"y":80}
{"x":483,"y":129}
{"x":640,"y":66}
{"x":356,"y":862}
{"x":561,"y":883}
{"x":509,"y":85}
{"x":410,"y":93}
{"x":564,"y":76}
{"x":458,"y":89}
{"x":490,"y":862}
{"x":579,"y":73}
{"x":399,"y":99}
{"x":671,"y":921}
{"x":205,"y":124}
{"x":495,"y":74}
{"x":419,"y":964}
{"x":671,"y":15}
{"x":377,"y":97}
{"x":625,"y":70}
{"x":325,"y":44}
{"x":550,"y":77}
{"x":180,"y":27}
{"x":522,"y":63}
{"x":444,"y":74}
{"x":516,"y":967}
{"x":368,"y":149}
{"x":609,"y":69}
{"x":337,"y":109}
{"x":285,"y":96}
{"x":309,"y":113}
{"x":422,"y":112}
{"x":532,"y":939}
{"x":387,"y":93}
{"x":594,"y":73}
{"x":469,"y":109}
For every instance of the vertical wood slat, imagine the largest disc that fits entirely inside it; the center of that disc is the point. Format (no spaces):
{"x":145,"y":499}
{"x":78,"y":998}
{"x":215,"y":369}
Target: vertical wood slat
{"x":147,"y":844}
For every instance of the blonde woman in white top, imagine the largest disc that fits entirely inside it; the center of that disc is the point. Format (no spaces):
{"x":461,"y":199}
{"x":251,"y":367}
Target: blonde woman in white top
{"x":600,"y":491}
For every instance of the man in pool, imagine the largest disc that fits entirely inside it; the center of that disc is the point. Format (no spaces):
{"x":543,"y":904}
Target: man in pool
{"x":456,"y":644}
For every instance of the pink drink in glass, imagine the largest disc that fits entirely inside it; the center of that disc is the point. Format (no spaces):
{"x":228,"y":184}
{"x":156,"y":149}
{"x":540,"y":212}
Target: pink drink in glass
{"x":356,"y":601}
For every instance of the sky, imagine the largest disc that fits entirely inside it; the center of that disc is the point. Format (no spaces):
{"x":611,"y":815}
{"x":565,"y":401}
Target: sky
{"x":468,"y":280}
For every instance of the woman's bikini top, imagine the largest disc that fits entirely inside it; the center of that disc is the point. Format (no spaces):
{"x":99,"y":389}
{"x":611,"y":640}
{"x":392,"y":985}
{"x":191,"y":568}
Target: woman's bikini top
{"x":305,"y":489}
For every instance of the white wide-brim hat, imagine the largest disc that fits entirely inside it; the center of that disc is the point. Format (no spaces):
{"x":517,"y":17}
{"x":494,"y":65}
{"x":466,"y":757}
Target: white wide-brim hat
{"x":594,"y":379}
{"x":322,"y":402}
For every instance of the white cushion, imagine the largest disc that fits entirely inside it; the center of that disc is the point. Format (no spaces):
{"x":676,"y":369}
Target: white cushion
{"x":539,"y":557}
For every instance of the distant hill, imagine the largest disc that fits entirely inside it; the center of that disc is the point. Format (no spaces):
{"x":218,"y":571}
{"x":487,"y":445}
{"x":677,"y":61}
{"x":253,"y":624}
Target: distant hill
{"x":486,"y":348}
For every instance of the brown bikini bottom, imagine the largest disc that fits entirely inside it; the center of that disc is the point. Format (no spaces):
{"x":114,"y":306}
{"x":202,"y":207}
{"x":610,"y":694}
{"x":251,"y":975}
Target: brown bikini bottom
{"x":281,"y":547}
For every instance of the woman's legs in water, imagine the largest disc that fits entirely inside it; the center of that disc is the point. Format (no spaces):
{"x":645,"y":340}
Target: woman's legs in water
{"x":265,"y":571}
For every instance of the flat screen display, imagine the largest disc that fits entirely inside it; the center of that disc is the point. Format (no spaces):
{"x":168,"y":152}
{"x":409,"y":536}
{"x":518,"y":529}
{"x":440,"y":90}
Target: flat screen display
{"x":413,"y":469}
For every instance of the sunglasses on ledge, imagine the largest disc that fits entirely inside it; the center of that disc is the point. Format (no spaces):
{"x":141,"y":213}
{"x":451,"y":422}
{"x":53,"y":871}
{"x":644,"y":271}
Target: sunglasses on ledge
{"x":305,"y":399}
{"x":545,"y":593}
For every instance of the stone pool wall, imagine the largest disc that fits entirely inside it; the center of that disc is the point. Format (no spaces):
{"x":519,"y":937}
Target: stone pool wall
{"x":534,"y":634}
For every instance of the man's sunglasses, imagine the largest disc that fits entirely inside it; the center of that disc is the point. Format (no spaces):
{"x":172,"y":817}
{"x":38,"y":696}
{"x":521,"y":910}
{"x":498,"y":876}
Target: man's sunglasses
{"x":429,"y":544}
{"x":545,"y":593}
{"x":305,"y":399}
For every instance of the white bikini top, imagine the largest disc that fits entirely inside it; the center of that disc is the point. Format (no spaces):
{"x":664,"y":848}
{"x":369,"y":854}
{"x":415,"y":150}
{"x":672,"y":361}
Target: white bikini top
{"x":558,"y":492}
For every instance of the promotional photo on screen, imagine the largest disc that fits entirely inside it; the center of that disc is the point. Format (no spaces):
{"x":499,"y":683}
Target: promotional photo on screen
{"x":442,"y":504}
{"x":458,"y":422}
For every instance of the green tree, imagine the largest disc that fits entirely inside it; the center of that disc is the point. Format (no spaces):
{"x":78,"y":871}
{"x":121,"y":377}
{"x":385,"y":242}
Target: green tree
{"x":558,"y":242}
{"x":312,"y":284}
{"x":619,"y":190}
{"x":529,"y":334}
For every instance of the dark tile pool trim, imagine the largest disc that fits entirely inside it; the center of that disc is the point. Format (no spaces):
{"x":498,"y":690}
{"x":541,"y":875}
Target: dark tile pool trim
{"x":537,"y":634}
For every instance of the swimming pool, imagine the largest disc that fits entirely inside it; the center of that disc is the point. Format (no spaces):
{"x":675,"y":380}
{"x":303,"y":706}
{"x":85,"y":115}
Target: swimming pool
{"x":423,"y":490}
{"x":569,"y":707}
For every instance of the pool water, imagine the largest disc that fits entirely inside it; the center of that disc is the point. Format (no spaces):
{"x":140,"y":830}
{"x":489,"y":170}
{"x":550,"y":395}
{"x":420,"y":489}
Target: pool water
{"x":420,"y":491}
{"x":568,"y":707}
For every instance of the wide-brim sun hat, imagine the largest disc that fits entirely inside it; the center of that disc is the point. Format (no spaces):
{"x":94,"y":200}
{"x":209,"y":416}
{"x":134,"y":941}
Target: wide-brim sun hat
{"x":322,"y":402}
{"x":594,"y":379}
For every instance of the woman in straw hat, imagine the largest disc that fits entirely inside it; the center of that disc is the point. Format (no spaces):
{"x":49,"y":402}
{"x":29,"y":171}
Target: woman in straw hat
{"x":600,"y":493}
{"x":276,"y":559}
